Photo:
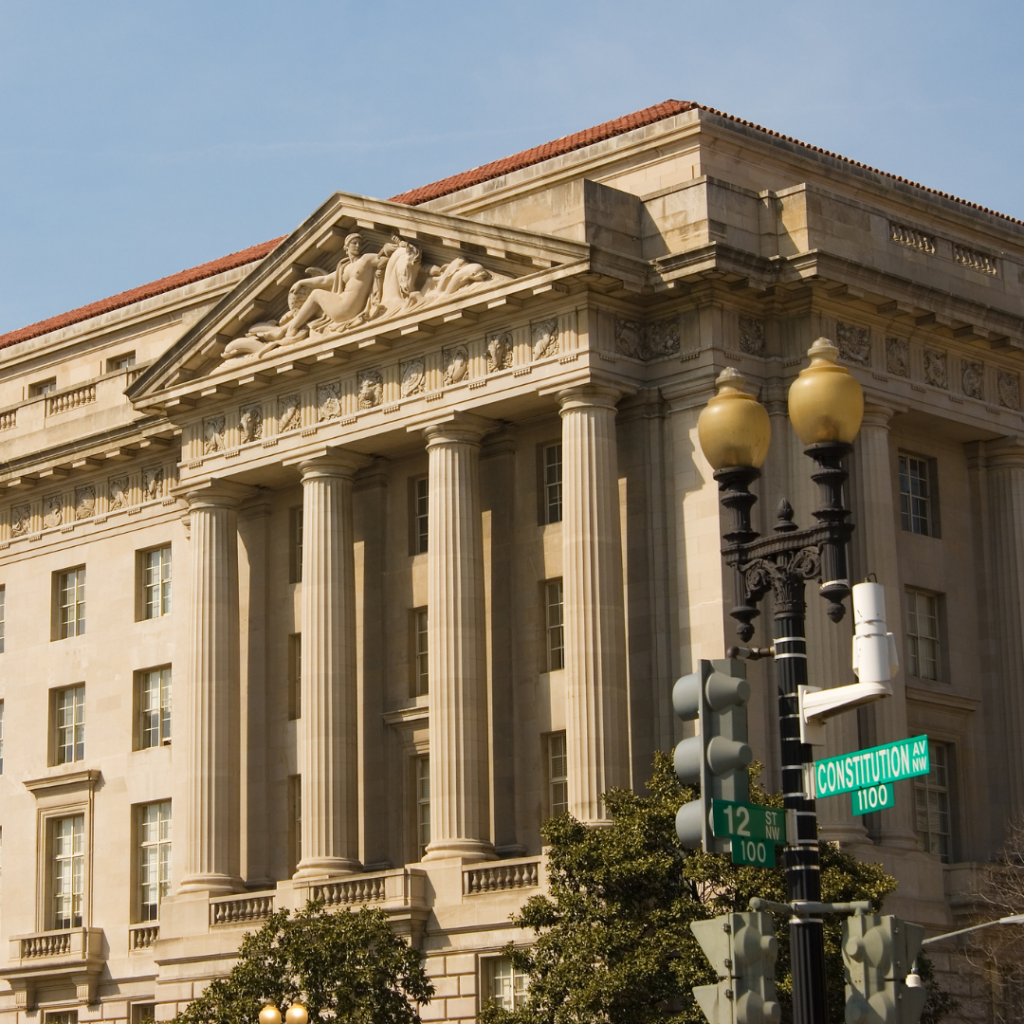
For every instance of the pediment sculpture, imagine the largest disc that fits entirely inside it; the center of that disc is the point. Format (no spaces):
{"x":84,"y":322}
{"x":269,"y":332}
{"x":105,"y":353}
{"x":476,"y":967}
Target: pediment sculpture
{"x":363,"y":287}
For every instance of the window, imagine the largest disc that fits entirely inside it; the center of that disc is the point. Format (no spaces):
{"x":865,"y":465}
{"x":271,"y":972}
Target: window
{"x":154,"y":690}
{"x":61,"y":1017}
{"x":42,"y":387}
{"x":156,"y":582}
{"x":1,"y":737}
{"x":918,"y":508}
{"x":3,"y":617}
{"x":154,"y":858}
{"x":554,"y":625}
{"x":68,"y":871}
{"x":294,"y":822}
{"x":70,"y":603}
{"x":69,"y":719}
{"x":504,"y":984}
{"x":551,"y":509}
{"x":558,"y":775}
{"x":143,"y":1013}
{"x":922,"y":634}
{"x":422,"y":805}
{"x":420,"y":515}
{"x":295,"y":545}
{"x":932,"y":802}
{"x":421,"y":667}
{"x":294,"y":676}
{"x":121,"y":362}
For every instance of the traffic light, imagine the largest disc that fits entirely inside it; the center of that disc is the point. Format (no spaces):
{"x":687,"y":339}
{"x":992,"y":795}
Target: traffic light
{"x":742,"y":948}
{"x":716,"y":758}
{"x":878,"y":953}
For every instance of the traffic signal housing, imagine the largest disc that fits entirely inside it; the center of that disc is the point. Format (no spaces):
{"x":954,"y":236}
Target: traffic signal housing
{"x":716,"y":758}
{"x":742,"y":949}
{"x":878,"y":953}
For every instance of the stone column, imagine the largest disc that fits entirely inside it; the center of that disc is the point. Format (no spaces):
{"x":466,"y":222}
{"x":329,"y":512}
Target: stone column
{"x":328,"y":737}
{"x":876,"y":549}
{"x":211,"y":705}
{"x":1005,"y":478}
{"x":597,"y":715}
{"x":457,"y":645}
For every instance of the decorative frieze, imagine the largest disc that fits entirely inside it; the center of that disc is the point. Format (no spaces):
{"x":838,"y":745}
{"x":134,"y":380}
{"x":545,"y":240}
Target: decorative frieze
{"x":456,"y":364}
{"x":652,"y":340}
{"x":289,"y":412}
{"x":370,"y":384}
{"x":250,"y":423}
{"x":911,"y":237}
{"x":21,"y":520}
{"x":412,"y":377}
{"x":152,"y":483}
{"x":85,"y":502}
{"x":544,"y":338}
{"x":499,"y":351}
{"x":972,"y":379}
{"x":328,"y":401}
{"x":53,"y":511}
{"x":935,"y":368}
{"x":897,"y":357}
{"x":213,"y":435}
{"x":117,"y":492}
{"x":9,"y":420}
{"x":68,"y":400}
{"x":1008,"y":390}
{"x":854,"y":343}
{"x":752,"y":336}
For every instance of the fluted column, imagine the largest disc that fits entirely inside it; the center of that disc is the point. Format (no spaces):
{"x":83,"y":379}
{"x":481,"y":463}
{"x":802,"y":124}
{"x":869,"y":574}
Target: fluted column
{"x":211,"y":705}
{"x":877,"y":551}
{"x":1005,"y":478}
{"x":327,"y":729}
{"x":457,"y":646}
{"x":597,"y":715}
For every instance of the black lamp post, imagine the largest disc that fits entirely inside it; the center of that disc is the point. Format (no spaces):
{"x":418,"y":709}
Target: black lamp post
{"x":826,"y":406}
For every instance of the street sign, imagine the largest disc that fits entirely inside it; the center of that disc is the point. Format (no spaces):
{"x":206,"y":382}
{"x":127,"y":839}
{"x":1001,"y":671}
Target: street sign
{"x":864,"y":769}
{"x":758,"y":852}
{"x":748,"y":821}
{"x":875,"y":798}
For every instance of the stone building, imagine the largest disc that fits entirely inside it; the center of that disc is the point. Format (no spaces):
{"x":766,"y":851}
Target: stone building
{"x":335,"y":566}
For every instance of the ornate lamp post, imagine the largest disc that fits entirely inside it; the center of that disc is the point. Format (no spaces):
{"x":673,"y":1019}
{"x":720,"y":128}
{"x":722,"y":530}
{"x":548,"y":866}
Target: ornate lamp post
{"x":826,"y":406}
{"x":295,"y":1014}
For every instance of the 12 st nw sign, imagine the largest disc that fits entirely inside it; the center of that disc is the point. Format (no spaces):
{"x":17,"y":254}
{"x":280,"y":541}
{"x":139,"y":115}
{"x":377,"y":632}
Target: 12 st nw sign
{"x":865,"y":768}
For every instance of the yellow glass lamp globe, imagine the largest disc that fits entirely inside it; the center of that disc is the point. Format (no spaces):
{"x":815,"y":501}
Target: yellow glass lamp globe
{"x":270,"y":1015}
{"x":296,"y":1014}
{"x":826,"y":402}
{"x":733,"y":428}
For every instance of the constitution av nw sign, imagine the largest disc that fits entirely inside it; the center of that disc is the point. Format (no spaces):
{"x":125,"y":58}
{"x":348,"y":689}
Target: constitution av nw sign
{"x":864,"y":769}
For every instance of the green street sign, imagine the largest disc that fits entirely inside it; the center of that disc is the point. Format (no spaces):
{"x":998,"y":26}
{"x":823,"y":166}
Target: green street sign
{"x":876,"y":798}
{"x":865,"y":769}
{"x":760,"y":853}
{"x":748,"y":821}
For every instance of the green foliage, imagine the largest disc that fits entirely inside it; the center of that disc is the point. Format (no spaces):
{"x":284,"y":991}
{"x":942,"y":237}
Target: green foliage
{"x":614,"y":944}
{"x":349,"y":966}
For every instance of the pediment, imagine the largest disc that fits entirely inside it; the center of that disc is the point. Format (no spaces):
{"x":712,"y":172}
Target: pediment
{"x":359,"y":272}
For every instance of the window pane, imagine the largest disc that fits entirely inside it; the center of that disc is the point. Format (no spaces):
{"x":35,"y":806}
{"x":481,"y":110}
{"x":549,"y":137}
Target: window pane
{"x":422,"y":804}
{"x":558,"y":775}
{"x":923,"y":639}
{"x":154,"y":857}
{"x":3,"y":617}
{"x":69,"y":721}
{"x":555,"y":626}
{"x":932,"y":804}
{"x":422,"y":654}
{"x":553,"y":483}
{"x":422,"y":514}
{"x":916,"y":512}
{"x":68,"y":871}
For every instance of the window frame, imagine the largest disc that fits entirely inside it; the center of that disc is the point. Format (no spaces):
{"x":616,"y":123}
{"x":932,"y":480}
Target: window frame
{"x":923,"y":784}
{"x":294,"y":830}
{"x":143,"y":586}
{"x":56,"y":746}
{"x":420,"y":803}
{"x":1,"y":737}
{"x":419,"y":514}
{"x":488,"y":982}
{"x":3,"y":617}
{"x":60,"y":628}
{"x":53,"y":822}
{"x":294,"y":655}
{"x":165,"y":727}
{"x":552,"y":740}
{"x":124,"y":361}
{"x":912,"y":639}
{"x":547,"y":514}
{"x":42,"y":388}
{"x":930,"y":500}
{"x":419,"y":628}
{"x":295,"y":529}
{"x":554,"y":632}
{"x":139,"y":844}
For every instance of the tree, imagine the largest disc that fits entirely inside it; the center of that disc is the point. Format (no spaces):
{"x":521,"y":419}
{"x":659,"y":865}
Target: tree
{"x":345,"y":965}
{"x":613,"y":941}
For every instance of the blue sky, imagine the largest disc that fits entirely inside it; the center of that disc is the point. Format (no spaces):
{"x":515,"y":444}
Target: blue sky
{"x":143,"y":137}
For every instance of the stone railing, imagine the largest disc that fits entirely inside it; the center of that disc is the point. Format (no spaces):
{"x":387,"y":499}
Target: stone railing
{"x":8,"y":420}
{"x":241,"y":909}
{"x":903,"y":235}
{"x":142,"y":936}
{"x":975,"y":260}
{"x":68,"y":400}
{"x":370,"y":889}
{"x":47,"y":944}
{"x":523,"y":874}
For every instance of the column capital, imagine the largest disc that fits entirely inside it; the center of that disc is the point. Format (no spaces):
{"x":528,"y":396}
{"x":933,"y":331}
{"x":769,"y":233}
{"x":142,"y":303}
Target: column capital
{"x":1005,"y":453}
{"x":217,"y":494}
{"x":463,"y":427}
{"x":588,"y":396}
{"x":878,"y":415}
{"x":331,"y":464}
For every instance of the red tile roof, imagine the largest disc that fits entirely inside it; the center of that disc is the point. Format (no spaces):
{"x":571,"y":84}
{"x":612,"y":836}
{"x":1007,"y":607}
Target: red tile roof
{"x":528,"y":157}
{"x":146,"y":291}
{"x":446,"y":186}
